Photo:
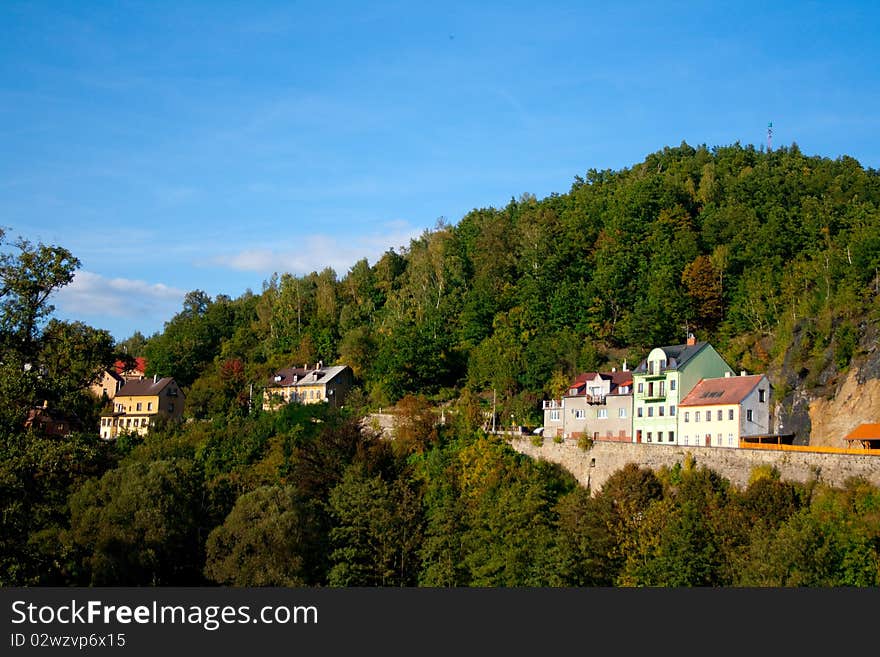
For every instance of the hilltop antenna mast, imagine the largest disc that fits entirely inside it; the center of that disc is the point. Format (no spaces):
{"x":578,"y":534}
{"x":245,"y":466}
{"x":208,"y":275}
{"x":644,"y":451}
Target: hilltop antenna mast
{"x":770,"y":136}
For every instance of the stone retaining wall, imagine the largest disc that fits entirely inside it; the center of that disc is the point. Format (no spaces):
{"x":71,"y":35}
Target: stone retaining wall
{"x":593,"y":467}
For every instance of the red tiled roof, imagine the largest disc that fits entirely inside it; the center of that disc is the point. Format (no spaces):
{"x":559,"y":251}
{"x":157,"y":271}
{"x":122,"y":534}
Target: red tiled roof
{"x":617,"y":378}
{"x":721,"y":390}
{"x":140,"y":365}
{"x":865,"y":431}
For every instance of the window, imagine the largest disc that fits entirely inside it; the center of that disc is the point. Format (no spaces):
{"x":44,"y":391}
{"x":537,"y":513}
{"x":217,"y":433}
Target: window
{"x":662,"y":388}
{"x":672,"y":411}
{"x":730,"y":414}
{"x":602,"y":413}
{"x":149,"y":406}
{"x":649,"y":436}
{"x":554,"y":415}
{"x":749,"y":415}
{"x":672,"y":384}
{"x":761,"y":395}
{"x":650,"y":388}
{"x":639,"y":411}
{"x":621,"y":412}
{"x":685,"y":439}
{"x":730,"y":439}
{"x":672,"y":436}
{"x":687,"y":416}
{"x":719,"y":440}
{"x":661,"y":411}
{"x":662,"y":364}
{"x":579,"y":414}
{"x":720,"y":415}
{"x":641,"y":387}
{"x":696,"y":416}
{"x":171,"y":407}
{"x":650,"y":411}
{"x":139,"y":406}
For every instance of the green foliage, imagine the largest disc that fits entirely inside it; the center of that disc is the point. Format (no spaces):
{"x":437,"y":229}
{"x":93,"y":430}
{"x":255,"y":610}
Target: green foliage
{"x":259,"y":542}
{"x":29,"y":274}
{"x":139,"y":524}
{"x":772,"y":255}
{"x":585,"y":443}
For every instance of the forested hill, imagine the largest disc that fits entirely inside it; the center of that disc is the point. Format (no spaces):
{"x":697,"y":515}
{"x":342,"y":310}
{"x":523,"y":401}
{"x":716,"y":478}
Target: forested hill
{"x":744,"y":247}
{"x":773,"y":257}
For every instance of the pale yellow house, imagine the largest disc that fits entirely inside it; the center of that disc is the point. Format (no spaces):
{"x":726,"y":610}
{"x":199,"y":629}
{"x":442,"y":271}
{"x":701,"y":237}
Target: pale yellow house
{"x":721,"y":411}
{"x":138,"y":403}
{"x":307,"y":385}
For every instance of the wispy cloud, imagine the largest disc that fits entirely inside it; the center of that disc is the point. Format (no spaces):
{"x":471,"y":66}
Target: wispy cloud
{"x":317,"y":251}
{"x":93,"y":295}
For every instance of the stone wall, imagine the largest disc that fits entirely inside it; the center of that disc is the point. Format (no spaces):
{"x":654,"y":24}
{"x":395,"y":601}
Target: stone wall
{"x":593,"y":467}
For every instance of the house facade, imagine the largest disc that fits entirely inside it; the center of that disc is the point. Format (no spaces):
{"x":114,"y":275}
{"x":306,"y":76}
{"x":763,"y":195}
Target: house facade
{"x":662,"y":380}
{"x":107,"y":385}
{"x":719,"y":412}
{"x":51,"y":422}
{"x":306,"y":385}
{"x":139,"y":402}
{"x":596,"y":404}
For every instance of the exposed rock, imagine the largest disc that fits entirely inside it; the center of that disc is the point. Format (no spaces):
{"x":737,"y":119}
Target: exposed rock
{"x":854,"y":403}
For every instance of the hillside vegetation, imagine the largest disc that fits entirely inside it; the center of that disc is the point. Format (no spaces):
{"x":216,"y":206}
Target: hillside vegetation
{"x":774,"y":257}
{"x":771,"y":256}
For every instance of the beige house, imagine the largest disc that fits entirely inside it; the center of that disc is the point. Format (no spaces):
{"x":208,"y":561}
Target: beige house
{"x":307,"y":385}
{"x":107,"y":385}
{"x":139,"y":402}
{"x":596,"y":404}
{"x":719,"y":412}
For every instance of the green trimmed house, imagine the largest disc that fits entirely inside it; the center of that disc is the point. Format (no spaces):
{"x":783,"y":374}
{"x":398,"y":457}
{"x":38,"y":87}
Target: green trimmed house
{"x":662,"y":380}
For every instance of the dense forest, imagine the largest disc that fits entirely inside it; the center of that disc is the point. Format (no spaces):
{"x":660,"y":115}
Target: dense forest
{"x":744,"y":247}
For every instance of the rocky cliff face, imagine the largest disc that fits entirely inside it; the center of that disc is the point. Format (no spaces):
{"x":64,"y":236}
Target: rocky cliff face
{"x":821,"y":407}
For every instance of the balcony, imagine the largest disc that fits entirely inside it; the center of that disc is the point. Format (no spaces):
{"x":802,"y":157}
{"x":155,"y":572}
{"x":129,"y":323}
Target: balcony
{"x":551,"y":404}
{"x":595,"y":399}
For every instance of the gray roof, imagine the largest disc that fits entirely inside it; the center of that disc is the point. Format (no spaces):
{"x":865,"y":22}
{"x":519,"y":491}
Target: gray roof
{"x":296,"y":376}
{"x":146,"y":387}
{"x":677,"y":356}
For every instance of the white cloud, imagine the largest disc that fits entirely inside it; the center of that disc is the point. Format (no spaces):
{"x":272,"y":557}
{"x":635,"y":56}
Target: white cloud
{"x":94,"y":295}
{"x":315,"y":252}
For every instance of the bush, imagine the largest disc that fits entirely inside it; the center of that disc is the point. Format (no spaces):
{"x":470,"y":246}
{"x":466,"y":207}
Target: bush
{"x":585,"y":443}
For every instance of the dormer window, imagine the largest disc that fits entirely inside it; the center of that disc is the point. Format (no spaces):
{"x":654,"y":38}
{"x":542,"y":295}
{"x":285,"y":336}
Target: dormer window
{"x":277,"y":378}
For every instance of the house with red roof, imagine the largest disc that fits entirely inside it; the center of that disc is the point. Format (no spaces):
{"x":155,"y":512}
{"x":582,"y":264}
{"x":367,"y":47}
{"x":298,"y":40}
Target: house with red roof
{"x":136,"y":373}
{"x":719,"y":412}
{"x":596,"y":404}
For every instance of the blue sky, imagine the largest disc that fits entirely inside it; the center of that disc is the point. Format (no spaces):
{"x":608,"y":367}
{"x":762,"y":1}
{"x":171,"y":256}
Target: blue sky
{"x":174,"y":146}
